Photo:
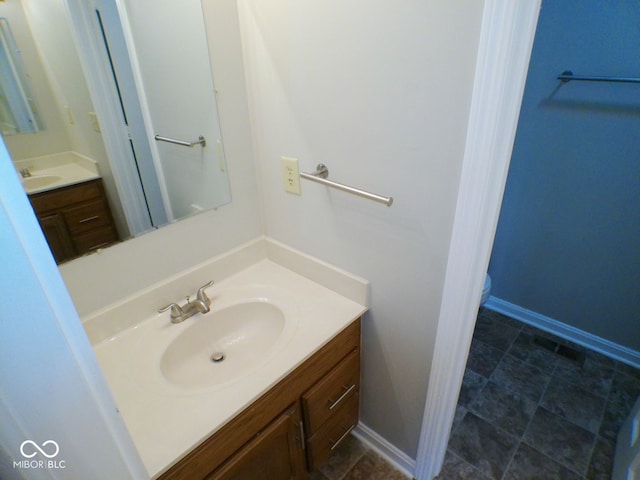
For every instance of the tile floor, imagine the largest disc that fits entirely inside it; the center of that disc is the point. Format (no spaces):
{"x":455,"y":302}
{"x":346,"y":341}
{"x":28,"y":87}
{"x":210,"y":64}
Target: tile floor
{"x":527,"y":413}
{"x":352,"y":460}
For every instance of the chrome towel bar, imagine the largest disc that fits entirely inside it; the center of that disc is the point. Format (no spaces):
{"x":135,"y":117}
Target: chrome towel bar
{"x":200,"y":141}
{"x":568,"y":76}
{"x":321,"y":174}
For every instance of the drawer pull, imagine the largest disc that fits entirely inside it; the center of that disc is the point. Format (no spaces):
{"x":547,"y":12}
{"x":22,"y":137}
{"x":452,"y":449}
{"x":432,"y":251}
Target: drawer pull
{"x":334,"y":404}
{"x":89,"y":219}
{"x":347,"y":432}
{"x":100,"y":245}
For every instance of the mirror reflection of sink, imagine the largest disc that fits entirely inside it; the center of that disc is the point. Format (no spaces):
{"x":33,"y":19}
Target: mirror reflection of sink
{"x":223,"y":344}
{"x":40,"y":181}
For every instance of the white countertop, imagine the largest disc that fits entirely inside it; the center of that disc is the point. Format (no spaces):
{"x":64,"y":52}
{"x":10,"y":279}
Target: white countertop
{"x":70,"y":168}
{"x":167,"y":421}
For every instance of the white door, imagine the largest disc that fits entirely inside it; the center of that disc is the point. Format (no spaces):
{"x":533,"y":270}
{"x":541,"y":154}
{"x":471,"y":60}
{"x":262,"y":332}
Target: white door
{"x":626,"y":465}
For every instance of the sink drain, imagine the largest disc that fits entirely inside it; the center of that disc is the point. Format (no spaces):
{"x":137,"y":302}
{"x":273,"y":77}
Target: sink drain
{"x":217,"y":357}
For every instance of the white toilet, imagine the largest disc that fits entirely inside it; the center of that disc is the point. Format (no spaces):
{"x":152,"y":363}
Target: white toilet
{"x":486,"y":291}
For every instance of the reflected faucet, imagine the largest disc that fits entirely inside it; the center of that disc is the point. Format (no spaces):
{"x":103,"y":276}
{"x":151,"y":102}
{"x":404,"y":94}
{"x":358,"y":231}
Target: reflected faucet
{"x":202,"y":304}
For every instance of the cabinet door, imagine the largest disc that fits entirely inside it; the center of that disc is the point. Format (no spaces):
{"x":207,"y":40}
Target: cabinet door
{"x":60,"y":243}
{"x":275,"y":453}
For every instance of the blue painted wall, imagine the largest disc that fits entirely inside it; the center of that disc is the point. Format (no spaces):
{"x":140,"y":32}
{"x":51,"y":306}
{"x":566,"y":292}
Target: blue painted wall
{"x":568,"y":239}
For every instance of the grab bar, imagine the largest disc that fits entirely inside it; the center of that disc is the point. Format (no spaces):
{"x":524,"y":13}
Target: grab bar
{"x":200,"y":141}
{"x":568,"y":75}
{"x":321,"y":174}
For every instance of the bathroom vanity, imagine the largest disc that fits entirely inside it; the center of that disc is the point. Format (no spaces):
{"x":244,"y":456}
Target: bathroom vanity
{"x":75,"y":219}
{"x":265,"y":385}
{"x":291,"y":429}
{"x":68,"y":197}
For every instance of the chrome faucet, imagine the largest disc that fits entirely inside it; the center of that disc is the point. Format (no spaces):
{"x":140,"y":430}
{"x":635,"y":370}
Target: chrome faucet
{"x":202,"y":304}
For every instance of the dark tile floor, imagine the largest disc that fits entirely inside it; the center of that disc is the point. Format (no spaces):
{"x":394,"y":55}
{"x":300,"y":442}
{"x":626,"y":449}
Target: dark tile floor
{"x":527,"y":413}
{"x":353,"y":460}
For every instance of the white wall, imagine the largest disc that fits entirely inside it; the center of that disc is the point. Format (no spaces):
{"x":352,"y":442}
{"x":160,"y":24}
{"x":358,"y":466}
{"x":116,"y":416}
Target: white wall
{"x":380,"y":92}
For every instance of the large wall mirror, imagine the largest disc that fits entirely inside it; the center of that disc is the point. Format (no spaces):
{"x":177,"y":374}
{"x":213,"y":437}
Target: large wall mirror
{"x":125,"y":92}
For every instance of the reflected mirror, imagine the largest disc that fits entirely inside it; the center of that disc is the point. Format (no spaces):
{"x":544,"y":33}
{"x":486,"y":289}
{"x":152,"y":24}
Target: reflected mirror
{"x":18,"y":107}
{"x":129,"y":138}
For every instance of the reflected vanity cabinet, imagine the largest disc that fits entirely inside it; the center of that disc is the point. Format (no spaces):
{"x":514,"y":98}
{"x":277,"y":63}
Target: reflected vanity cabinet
{"x":75,"y":220}
{"x":293,"y":428}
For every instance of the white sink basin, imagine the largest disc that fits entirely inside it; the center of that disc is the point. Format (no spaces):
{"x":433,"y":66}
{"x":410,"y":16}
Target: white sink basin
{"x":40,"y":181}
{"x":222,"y":345}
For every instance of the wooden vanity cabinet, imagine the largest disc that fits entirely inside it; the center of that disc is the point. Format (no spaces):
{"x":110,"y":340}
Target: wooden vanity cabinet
{"x":292,"y":428}
{"x":278,"y":450}
{"x":75,"y":220}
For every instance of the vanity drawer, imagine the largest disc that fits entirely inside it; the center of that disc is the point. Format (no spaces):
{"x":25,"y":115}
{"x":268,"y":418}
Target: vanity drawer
{"x":334,"y":390}
{"x":322,"y":444}
{"x":87,"y":216}
{"x":98,"y":238}
{"x":63,"y":197}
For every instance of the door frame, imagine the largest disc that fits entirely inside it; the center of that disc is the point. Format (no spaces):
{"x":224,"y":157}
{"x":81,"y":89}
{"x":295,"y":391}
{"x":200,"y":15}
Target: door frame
{"x":117,"y":138}
{"x":626,"y":462}
{"x":506,"y":40}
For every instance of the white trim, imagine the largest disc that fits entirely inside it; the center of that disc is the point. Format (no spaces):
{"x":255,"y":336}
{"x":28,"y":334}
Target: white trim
{"x":562,"y":330}
{"x":105,"y":101}
{"x":506,"y":40}
{"x":396,"y":457}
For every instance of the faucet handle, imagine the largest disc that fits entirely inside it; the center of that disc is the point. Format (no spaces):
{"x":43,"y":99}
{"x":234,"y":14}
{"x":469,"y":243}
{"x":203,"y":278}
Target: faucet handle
{"x":202,"y":295}
{"x":176,"y":310}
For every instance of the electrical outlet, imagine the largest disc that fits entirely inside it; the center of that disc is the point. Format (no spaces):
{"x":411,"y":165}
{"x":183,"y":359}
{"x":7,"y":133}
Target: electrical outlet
{"x":291,"y":175}
{"x":70,"y":118}
{"x":93,"y":117}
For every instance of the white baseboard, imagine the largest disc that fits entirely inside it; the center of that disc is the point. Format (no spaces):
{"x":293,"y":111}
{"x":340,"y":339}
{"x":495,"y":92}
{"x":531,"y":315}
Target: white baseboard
{"x":397,"y":458}
{"x":573,"y":334}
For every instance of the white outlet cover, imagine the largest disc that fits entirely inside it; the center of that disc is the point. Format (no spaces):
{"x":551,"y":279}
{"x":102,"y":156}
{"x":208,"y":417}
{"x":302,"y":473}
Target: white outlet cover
{"x":291,"y":175}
